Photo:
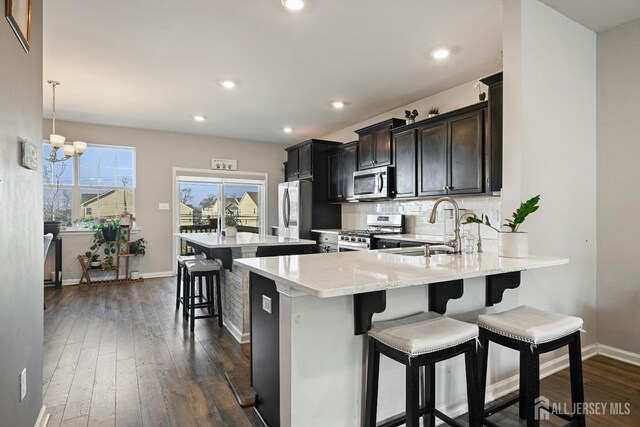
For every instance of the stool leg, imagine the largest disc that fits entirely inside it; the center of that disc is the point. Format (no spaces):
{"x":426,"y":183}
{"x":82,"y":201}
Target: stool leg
{"x":186,"y":291}
{"x":532,"y":384}
{"x":471,"y":364}
{"x":413,"y":394}
{"x":522,"y":405}
{"x":371,"y":396}
{"x":575,"y":367}
{"x":219,"y":298}
{"x":429,"y":418}
{"x":483,"y":355}
{"x":200,"y":287}
{"x":178,"y":286}
{"x":192,"y":304}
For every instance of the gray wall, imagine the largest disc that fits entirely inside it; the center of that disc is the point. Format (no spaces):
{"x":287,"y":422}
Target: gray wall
{"x":157,"y":153}
{"x":21,"y":303}
{"x":618,"y":295}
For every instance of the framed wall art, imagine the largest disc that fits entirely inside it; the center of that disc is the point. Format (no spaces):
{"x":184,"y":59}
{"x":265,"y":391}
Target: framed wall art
{"x":18,"y":13}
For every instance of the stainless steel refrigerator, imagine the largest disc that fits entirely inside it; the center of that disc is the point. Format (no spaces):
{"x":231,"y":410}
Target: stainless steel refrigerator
{"x":295,"y":209}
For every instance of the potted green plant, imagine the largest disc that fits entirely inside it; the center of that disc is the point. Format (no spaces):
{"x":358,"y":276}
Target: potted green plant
{"x":138,"y":247}
{"x":230,"y":222}
{"x":108,"y":247}
{"x":481,"y":94}
{"x":410,"y":116}
{"x":433,"y":112}
{"x":512,"y":243}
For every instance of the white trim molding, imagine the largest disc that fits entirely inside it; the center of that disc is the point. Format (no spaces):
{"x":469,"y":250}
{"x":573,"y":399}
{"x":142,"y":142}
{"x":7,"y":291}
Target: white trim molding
{"x":43,"y":417}
{"x":618,"y":354}
{"x":242,"y":338}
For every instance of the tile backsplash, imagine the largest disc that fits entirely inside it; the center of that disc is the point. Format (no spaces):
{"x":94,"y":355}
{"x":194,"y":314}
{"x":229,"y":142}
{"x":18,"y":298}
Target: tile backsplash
{"x":417,"y":213}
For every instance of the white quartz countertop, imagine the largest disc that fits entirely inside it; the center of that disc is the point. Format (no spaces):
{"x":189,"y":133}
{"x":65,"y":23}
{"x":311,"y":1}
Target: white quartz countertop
{"x":347,"y":273}
{"x":328,"y":230}
{"x":421,"y":238}
{"x":215,"y":240}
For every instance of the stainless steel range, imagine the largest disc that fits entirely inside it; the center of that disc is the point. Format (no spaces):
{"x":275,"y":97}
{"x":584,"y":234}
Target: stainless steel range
{"x":360,"y":240}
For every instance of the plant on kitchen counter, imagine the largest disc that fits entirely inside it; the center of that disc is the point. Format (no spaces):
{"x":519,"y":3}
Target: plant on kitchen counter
{"x":410,"y":116}
{"x":525,"y":209}
{"x":230,"y":222}
{"x":434,"y":112}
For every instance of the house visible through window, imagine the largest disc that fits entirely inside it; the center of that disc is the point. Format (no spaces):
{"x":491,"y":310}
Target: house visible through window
{"x":99,"y":184}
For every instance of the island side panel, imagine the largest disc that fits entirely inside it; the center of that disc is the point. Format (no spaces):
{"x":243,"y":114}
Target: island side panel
{"x":236,"y":296}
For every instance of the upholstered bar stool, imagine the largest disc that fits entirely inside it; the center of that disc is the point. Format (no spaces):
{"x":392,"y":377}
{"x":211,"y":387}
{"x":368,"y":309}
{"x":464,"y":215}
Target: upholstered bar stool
{"x":415,"y":341}
{"x":181,"y":277}
{"x":531,"y":332}
{"x":207,"y":271}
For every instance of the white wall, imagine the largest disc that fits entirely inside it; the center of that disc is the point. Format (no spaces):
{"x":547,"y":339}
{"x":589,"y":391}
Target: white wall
{"x":618,"y":192}
{"x":550,"y":149}
{"x":21,"y":313}
{"x":157,"y":153}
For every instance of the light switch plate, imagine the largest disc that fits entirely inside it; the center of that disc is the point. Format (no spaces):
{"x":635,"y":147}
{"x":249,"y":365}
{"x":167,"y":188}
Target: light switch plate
{"x":163,"y":206}
{"x":266,"y":304}
{"x":23,"y":384}
{"x":224,"y":164}
{"x":29,"y":154}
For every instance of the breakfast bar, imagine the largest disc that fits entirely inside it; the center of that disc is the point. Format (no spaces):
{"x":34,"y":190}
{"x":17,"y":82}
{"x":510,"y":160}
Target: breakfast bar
{"x":317,"y":309}
{"x":236,"y":280}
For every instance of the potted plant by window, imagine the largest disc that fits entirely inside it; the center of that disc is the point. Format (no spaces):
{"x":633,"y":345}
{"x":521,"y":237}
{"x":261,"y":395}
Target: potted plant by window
{"x":138,"y":247}
{"x":94,"y":259}
{"x":230,"y":222}
{"x":512,"y":243}
{"x":410,"y":116}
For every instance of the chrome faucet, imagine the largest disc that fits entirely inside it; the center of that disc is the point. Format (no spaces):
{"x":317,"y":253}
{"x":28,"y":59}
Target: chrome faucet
{"x":456,"y":243}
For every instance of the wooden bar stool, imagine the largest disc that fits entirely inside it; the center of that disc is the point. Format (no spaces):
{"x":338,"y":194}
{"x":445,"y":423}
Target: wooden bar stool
{"x":532,"y":332}
{"x":181,"y":278}
{"x":206,"y":270}
{"x":415,"y":341}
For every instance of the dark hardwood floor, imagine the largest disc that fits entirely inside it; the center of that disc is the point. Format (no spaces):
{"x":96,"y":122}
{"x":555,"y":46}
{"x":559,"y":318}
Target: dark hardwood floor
{"x":121,"y":355}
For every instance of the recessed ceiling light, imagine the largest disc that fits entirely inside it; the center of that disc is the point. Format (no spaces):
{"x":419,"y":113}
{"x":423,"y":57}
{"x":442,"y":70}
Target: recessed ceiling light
{"x":229,"y":84}
{"x":287,"y":129}
{"x":440,"y":53}
{"x":294,"y":5}
{"x":198,"y":118}
{"x":337,"y":105}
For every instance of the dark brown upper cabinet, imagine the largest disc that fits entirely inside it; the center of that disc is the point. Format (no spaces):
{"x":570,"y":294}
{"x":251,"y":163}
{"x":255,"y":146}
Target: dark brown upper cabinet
{"x":494,"y":131}
{"x":405,"y":146}
{"x":302,"y":161}
{"x":375,"y":148}
{"x":432,"y":159}
{"x":343,"y":162}
{"x":466,"y":153}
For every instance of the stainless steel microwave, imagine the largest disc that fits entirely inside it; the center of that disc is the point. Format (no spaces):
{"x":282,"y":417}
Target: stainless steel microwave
{"x":371,"y":184}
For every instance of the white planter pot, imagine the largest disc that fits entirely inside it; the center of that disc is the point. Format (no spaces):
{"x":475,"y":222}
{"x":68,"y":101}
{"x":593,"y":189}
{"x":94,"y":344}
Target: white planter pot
{"x":513,"y":245}
{"x":231,"y":231}
{"x":95,"y":264}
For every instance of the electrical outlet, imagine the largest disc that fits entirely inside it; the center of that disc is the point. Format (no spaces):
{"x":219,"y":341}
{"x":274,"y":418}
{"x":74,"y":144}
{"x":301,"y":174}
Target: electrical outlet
{"x":23,"y":384}
{"x":266,"y":304}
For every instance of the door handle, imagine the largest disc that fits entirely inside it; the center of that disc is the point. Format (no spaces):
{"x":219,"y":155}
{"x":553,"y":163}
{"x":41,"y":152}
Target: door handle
{"x":380,"y":182}
{"x":285,"y":207}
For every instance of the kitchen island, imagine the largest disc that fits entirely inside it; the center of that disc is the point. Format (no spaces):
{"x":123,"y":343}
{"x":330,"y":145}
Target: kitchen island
{"x":310,"y":314}
{"x":235,"y":291}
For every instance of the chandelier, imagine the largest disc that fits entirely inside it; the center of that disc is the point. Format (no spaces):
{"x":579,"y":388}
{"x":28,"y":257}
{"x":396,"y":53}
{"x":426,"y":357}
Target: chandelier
{"x":58,"y":141}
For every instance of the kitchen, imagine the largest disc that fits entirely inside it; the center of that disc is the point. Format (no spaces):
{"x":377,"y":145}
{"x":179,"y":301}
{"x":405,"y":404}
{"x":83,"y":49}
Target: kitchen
{"x":553,"y":99}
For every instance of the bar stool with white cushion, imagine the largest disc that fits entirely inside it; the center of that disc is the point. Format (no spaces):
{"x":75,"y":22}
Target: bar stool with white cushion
{"x":415,"y":341}
{"x":182,"y":274}
{"x":207,"y":271}
{"x":532,"y":332}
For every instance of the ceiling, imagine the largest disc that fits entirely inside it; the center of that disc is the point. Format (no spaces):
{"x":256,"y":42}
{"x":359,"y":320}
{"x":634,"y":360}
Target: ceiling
{"x":149,"y":64}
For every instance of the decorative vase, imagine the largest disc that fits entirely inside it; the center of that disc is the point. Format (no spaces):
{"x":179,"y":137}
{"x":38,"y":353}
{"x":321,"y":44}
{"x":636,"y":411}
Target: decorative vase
{"x":230,"y":231}
{"x":109,"y":234}
{"x":410,"y":121}
{"x":513,"y":245}
{"x":482,"y":96}
{"x":432,"y":115}
{"x":52,"y":227}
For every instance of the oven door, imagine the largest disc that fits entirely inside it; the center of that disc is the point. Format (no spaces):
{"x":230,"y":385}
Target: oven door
{"x":343,"y":249}
{"x":372,"y":184}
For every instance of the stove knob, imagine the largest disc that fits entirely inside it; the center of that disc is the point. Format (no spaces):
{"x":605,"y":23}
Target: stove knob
{"x":353,"y":239}
{"x":361,"y":239}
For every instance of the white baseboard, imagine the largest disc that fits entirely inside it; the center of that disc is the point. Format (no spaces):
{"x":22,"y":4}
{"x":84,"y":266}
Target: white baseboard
{"x":235,"y":332}
{"x":156,"y":275}
{"x":43,"y":418}
{"x":618,"y":354}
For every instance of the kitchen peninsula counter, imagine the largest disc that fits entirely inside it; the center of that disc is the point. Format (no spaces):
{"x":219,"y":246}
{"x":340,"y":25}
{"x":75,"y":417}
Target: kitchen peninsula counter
{"x":310,"y":314}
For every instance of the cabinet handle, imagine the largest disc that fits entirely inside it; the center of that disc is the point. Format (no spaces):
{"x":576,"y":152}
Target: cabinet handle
{"x":450,"y":188}
{"x":444,"y":188}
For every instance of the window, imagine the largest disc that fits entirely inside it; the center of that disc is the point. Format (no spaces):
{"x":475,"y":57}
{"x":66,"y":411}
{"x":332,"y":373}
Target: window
{"x":99,"y":184}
